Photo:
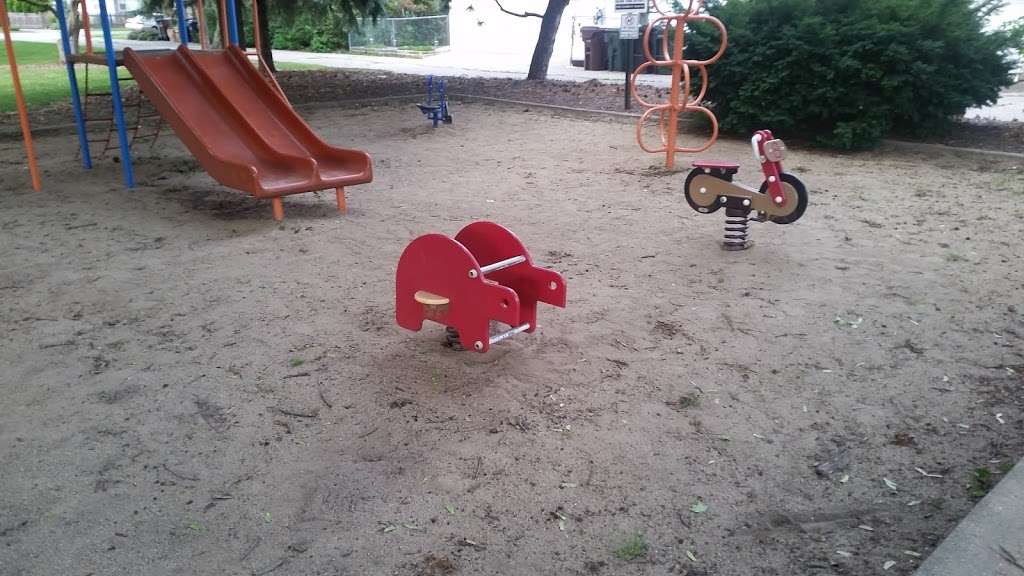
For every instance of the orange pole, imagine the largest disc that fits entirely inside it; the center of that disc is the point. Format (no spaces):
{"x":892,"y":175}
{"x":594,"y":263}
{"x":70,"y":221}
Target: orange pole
{"x":204,"y":40}
{"x":256,"y":27}
{"x":26,"y":130}
{"x":223,"y":13}
{"x":85,"y":27}
{"x":278,"y":208}
{"x":340,"y":193}
{"x":677,"y":74}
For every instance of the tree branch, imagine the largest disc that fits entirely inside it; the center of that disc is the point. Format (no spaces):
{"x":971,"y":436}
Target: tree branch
{"x":523,"y":15}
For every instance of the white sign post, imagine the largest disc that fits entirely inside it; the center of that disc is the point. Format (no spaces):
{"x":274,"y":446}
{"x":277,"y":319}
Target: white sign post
{"x":629,"y":30}
{"x":629,"y":27}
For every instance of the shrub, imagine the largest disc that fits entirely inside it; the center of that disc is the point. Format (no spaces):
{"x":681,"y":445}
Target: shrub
{"x":845,"y":73}
{"x":318,"y":31}
{"x":144,"y":34}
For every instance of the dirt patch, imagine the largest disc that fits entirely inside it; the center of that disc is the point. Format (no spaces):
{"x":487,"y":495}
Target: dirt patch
{"x":190,"y":387}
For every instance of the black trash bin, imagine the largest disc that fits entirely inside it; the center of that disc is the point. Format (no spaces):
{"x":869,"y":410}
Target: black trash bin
{"x":595,"y":48}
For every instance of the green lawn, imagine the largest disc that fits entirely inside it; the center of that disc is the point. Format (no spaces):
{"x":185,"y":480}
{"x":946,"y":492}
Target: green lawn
{"x":43,"y":79}
{"x":31,"y":53}
{"x":292,"y":66}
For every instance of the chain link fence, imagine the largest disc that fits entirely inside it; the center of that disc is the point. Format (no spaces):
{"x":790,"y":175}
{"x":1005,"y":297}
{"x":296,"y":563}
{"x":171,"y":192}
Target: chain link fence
{"x":415,"y":34}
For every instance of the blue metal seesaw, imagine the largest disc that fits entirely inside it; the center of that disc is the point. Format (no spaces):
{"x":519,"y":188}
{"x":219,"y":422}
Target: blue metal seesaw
{"x":436,"y":111}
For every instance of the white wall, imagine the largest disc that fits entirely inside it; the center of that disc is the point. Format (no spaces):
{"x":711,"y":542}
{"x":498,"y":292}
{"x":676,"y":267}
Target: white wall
{"x":479,"y":26}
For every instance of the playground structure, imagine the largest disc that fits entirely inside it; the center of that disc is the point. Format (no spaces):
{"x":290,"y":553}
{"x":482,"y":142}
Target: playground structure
{"x":781,"y":198}
{"x":441,"y":279}
{"x":436,"y":111}
{"x":231,"y":115}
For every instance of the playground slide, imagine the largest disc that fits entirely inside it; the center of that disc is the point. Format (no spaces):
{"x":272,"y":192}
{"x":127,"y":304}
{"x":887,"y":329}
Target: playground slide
{"x":242,"y":131}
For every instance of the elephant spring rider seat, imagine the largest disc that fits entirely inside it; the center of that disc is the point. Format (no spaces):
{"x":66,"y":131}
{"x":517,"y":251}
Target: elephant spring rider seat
{"x":483,"y":274}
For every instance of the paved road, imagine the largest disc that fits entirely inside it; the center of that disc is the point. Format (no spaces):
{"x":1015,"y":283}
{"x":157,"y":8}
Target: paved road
{"x":473,"y":64}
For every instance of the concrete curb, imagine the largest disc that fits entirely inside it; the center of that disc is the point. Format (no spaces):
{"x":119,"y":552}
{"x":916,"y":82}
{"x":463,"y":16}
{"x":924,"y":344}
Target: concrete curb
{"x":975,"y":547}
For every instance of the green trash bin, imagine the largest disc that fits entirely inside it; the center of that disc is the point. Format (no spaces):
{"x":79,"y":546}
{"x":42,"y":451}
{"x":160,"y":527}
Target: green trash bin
{"x":616,"y":56}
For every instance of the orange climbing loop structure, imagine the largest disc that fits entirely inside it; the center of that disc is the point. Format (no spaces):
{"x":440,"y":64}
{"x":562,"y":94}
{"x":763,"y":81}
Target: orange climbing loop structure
{"x":681,"y":99}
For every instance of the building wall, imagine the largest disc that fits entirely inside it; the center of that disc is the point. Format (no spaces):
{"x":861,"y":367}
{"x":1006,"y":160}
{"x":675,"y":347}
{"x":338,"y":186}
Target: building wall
{"x":479,"y":26}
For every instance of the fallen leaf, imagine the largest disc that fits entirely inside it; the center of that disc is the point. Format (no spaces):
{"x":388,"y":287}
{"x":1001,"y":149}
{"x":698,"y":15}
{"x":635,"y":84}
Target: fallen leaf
{"x":888,"y":564}
{"x":912,"y":553}
{"x":913,"y":503}
{"x":844,"y":479}
{"x":924,"y":473}
{"x":699,"y":507}
{"x":892,"y":485}
{"x":843,"y":553}
{"x":567,"y":485}
{"x":691,"y":556}
{"x":450,"y":508}
{"x":866,"y":527}
{"x":999,"y":418}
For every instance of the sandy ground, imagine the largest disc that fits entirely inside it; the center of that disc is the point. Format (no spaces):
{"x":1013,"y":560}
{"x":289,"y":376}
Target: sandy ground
{"x":191,"y":388}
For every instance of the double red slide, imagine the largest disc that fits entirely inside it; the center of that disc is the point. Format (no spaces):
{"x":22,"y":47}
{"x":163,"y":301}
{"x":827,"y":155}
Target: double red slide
{"x":242,"y":131}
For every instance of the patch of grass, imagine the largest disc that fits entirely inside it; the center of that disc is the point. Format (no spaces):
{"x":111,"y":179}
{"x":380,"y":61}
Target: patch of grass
{"x":982,"y":480}
{"x":43,"y":79}
{"x":295,"y":66}
{"x":296,"y":361}
{"x":28,"y":53}
{"x":633,"y":548}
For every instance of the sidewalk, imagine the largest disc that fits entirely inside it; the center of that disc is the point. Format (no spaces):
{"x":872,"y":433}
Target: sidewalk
{"x":459,"y":63}
{"x":488,"y":65}
{"x":990,"y":540}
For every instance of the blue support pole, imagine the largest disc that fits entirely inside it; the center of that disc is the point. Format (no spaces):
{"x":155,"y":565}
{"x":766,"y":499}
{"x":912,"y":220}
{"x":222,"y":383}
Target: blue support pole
{"x":76,"y":100}
{"x":182,"y":24}
{"x":232,"y":22}
{"x":115,"y":95}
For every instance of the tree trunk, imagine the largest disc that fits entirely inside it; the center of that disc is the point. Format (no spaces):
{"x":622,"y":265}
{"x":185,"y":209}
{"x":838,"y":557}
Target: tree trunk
{"x":263,"y":7}
{"x":546,"y":40}
{"x":75,"y":25}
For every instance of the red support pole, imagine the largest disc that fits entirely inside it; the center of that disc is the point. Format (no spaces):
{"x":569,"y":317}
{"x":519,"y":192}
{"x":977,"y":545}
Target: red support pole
{"x":204,"y":40}
{"x":225,"y":38}
{"x":256,"y":28}
{"x":85,"y":27}
{"x":26,"y":130}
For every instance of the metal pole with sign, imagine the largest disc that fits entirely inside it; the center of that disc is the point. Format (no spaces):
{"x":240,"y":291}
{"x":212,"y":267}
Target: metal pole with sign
{"x":631,"y":12}
{"x":629,"y":31}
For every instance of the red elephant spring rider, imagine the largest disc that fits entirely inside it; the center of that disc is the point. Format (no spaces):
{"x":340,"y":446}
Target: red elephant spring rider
{"x":483,"y":274}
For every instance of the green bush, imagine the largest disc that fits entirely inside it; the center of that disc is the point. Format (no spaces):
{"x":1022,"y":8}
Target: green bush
{"x":144,"y":34}
{"x":314,"y":30}
{"x":846,"y":73}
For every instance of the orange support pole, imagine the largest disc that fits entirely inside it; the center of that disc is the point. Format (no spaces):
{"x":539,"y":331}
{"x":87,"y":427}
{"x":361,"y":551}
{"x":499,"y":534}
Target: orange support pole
{"x":340,"y":192}
{"x":86,"y":29}
{"x":26,"y":130}
{"x":204,"y":40}
{"x":278,"y":208}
